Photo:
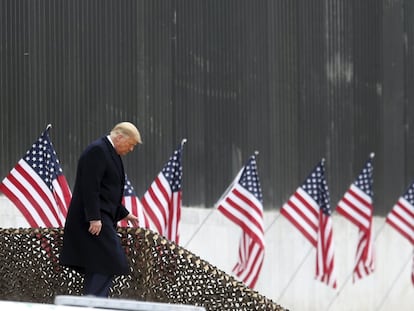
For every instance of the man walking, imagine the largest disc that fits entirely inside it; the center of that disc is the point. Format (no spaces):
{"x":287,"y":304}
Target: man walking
{"x":90,"y":242}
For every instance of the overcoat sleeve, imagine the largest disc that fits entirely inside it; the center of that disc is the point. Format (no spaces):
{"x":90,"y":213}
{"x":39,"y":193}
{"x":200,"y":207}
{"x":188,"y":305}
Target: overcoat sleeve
{"x":93,"y":167}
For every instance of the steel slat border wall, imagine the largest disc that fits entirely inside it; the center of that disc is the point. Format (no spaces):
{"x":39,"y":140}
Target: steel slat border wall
{"x":296,"y":80}
{"x":408,"y":24}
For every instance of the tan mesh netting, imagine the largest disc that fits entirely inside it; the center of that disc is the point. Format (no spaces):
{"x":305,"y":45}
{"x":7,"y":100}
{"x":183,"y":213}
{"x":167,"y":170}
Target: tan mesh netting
{"x":161,"y":271}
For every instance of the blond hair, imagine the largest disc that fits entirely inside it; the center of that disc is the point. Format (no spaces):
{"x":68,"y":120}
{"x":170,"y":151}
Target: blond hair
{"x":127,"y":129}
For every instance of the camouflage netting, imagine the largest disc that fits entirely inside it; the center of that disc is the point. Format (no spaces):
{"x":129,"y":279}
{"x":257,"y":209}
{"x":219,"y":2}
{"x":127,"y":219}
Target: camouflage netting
{"x":161,"y":271}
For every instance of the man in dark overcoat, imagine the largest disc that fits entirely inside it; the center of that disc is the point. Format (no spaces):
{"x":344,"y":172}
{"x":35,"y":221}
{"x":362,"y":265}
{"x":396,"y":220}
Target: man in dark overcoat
{"x":90,"y":241}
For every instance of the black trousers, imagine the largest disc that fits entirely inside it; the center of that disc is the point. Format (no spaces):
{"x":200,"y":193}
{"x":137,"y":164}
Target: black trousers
{"x":96,"y":284}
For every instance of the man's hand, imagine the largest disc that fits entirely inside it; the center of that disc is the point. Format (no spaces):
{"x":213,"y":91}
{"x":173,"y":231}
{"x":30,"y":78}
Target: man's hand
{"x":132,"y":219}
{"x":95,"y":227}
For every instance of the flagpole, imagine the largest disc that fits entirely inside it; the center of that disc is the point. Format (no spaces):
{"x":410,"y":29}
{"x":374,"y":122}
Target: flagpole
{"x":199,"y":227}
{"x":371,"y":156}
{"x":214,"y":207}
{"x":183,"y":141}
{"x":272,"y":223}
{"x":294,"y":274}
{"x":219,"y":200}
{"x":393,"y":284}
{"x":293,"y":215}
{"x":350,"y":275}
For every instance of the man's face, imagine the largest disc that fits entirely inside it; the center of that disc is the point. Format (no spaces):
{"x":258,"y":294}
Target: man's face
{"x":124,"y":145}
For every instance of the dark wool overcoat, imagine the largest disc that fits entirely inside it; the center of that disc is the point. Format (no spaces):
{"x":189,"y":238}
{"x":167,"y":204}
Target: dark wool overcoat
{"x":97,"y":195}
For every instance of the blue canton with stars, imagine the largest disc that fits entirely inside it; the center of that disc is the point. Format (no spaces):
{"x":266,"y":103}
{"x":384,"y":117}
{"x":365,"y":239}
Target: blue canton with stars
{"x":315,"y":185}
{"x":409,"y":194}
{"x":364,"y":180}
{"x":250,"y":179}
{"x":128,"y":189}
{"x":43,"y":160}
{"x":173,"y":170}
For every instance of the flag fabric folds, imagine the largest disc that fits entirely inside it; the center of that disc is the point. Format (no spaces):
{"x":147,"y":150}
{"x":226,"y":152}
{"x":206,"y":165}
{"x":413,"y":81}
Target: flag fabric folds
{"x":242,"y":203}
{"x":412,"y":272}
{"x":37,"y":186}
{"x":308,"y":209}
{"x":162,"y":201}
{"x":357,"y":206}
{"x":132,"y":203}
{"x":401,"y":218}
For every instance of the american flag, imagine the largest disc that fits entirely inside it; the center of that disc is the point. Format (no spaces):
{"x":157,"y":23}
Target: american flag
{"x":309,"y":211}
{"x":401,"y":218}
{"x":357,"y":206}
{"x":132,"y":203}
{"x":37,"y":186}
{"x":162,"y":201}
{"x":242,"y":203}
